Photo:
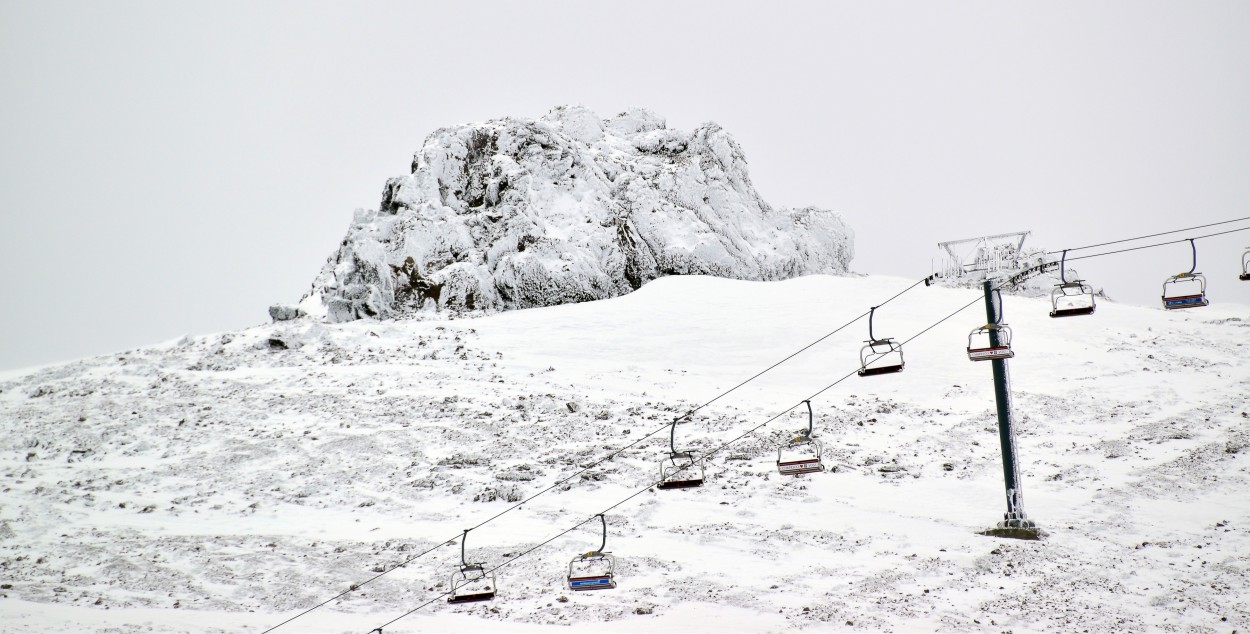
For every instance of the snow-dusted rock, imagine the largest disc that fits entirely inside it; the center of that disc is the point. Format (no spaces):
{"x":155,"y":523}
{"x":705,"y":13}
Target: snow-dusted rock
{"x":517,"y":213}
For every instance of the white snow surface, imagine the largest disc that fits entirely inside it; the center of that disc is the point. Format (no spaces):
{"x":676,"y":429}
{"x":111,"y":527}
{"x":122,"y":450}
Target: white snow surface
{"x":225,"y":483}
{"x":518,"y":213}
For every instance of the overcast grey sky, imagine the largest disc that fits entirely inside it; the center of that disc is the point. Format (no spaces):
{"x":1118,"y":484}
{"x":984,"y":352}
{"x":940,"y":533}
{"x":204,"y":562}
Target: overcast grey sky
{"x":176,"y":167}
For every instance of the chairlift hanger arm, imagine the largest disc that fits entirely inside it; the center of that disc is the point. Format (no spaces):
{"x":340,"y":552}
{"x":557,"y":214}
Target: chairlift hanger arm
{"x":809,"y":417}
{"x":604,"y":543}
{"x":464,"y":538}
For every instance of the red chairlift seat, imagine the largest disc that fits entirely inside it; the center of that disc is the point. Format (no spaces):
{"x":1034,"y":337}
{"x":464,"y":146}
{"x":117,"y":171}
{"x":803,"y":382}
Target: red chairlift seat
{"x":802,"y":454}
{"x":793,"y":465}
{"x":991,"y":352}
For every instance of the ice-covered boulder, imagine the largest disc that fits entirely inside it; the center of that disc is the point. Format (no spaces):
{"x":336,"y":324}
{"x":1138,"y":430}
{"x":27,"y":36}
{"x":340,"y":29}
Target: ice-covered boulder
{"x":517,"y":213}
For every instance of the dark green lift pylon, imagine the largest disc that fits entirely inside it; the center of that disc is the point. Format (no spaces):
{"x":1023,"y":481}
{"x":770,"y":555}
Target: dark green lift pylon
{"x":1015,"y":524}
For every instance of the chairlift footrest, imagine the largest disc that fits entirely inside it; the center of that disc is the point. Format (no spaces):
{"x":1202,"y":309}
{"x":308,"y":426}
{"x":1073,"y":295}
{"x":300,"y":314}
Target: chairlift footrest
{"x":591,"y":583}
{"x":1186,"y":301}
{"x":1072,"y":312}
{"x":989,"y":354}
{"x":471,"y":598}
{"x":800,"y":467}
{"x":885,"y":369}
{"x":679,"y":484}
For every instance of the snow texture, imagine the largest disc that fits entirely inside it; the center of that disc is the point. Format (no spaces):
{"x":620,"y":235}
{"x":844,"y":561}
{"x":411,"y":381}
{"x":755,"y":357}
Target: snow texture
{"x":224,"y":483}
{"x":519,"y":213}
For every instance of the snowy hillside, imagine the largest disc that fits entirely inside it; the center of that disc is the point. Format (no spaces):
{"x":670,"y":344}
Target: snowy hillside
{"x":225,"y":483}
{"x":516,"y":213}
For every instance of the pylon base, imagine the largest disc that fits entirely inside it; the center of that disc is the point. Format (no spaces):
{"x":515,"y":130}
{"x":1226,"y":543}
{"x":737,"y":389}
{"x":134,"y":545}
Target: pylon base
{"x":1015,"y":529}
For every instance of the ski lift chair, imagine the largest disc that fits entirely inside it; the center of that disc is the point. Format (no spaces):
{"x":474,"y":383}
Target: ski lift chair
{"x":471,"y":582}
{"x":880,"y":356}
{"x":594,"y":570}
{"x":1245,"y":266}
{"x":1070,"y":299}
{"x":680,"y":470}
{"x":983,"y":350}
{"x":1186,"y":290}
{"x":802,"y":454}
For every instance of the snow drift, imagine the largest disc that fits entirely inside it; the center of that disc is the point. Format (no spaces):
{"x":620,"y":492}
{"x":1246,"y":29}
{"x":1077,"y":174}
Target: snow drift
{"x":227,"y":482}
{"x":518,"y":213}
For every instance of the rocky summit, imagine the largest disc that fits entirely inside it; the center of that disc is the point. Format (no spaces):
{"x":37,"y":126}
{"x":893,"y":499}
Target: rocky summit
{"x":518,"y":213}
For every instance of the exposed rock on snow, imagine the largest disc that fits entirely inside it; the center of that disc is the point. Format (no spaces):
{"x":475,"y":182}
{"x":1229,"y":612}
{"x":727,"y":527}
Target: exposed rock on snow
{"x":517,"y":213}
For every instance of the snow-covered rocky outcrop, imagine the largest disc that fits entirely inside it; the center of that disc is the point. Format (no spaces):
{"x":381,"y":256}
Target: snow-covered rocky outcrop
{"x":517,"y":213}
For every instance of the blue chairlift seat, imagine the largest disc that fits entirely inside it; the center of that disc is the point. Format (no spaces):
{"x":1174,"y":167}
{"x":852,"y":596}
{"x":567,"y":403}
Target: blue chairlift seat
{"x":592,"y":571}
{"x":595,"y":570}
{"x":1179,"y":291}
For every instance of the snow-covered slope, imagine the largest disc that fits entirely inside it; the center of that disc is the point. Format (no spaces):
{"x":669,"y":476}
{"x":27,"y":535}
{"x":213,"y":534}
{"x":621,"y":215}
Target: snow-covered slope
{"x":226,"y":482}
{"x":516,"y":213}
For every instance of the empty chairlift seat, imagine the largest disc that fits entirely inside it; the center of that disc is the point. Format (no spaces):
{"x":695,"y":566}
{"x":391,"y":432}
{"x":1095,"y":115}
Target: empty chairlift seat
{"x":471,"y":582}
{"x":595,"y":570}
{"x":982,"y":348}
{"x":879,"y":356}
{"x":802,"y":454}
{"x":1070,"y":299}
{"x":1186,"y":290}
{"x":680,"y":470}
